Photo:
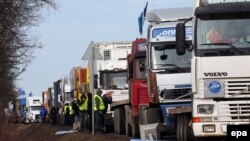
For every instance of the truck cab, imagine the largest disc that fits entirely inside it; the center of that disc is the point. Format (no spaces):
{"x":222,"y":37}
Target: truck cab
{"x":169,"y":76}
{"x":219,"y":73}
{"x":33,"y":107}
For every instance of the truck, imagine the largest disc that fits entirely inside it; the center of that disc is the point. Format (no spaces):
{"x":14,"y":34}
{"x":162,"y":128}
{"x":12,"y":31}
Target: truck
{"x":110,"y":72}
{"x":21,"y":109}
{"x":77,"y":80}
{"x":131,"y":112}
{"x":168,"y":74}
{"x":220,"y":78}
{"x":33,"y":107}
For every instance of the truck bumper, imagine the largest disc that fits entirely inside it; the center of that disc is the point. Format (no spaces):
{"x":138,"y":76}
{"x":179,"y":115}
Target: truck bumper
{"x":220,"y":128}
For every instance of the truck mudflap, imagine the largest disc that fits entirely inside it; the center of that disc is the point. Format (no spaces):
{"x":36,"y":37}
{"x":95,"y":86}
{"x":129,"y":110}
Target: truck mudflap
{"x":151,"y":131}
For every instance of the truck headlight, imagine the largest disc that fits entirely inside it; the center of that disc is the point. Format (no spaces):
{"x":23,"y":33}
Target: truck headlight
{"x":205,"y":109}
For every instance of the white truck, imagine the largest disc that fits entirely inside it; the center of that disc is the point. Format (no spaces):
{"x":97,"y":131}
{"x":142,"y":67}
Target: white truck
{"x":33,"y":106}
{"x":169,"y":77}
{"x":111,"y":71}
{"x":220,"y":72}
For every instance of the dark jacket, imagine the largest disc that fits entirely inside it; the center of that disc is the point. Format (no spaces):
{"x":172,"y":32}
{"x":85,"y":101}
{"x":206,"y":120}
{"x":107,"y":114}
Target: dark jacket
{"x":43,"y":112}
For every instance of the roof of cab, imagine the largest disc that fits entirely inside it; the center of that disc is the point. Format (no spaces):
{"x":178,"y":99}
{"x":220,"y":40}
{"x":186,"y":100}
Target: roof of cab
{"x":170,"y":14}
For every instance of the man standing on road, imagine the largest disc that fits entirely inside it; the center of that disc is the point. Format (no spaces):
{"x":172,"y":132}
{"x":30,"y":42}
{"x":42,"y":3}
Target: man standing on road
{"x":83,"y":112}
{"x":99,"y":111}
{"x":53,"y":116}
{"x":76,"y":110}
{"x":43,"y":114}
{"x":66,"y":114}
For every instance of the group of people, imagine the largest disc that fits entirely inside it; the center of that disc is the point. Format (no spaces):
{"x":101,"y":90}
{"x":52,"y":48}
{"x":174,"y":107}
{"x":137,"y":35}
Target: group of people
{"x":53,"y":116}
{"x":100,"y":109}
{"x":80,"y":110}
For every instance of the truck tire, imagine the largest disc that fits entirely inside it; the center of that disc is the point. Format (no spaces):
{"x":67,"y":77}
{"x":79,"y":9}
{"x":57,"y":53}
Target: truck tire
{"x":119,"y":118}
{"x":149,"y":115}
{"x":183,"y":131}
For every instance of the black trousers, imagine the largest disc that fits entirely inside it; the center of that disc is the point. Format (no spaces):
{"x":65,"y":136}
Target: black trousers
{"x":83,"y":117}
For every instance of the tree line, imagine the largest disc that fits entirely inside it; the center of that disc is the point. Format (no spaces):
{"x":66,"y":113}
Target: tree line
{"x":17,"y":42}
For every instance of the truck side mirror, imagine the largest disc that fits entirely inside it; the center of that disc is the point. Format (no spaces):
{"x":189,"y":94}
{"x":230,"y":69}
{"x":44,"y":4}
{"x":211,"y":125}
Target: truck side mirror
{"x":180,"y":39}
{"x":95,"y":81}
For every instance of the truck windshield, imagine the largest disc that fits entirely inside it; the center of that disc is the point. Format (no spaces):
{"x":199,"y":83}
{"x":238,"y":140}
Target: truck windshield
{"x":221,"y":36}
{"x":113,"y":80}
{"x":164,"y":57}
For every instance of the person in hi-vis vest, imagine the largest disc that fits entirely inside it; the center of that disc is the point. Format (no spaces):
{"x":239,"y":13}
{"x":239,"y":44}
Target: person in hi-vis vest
{"x":99,"y":111}
{"x":83,"y":112}
{"x":66,"y":112}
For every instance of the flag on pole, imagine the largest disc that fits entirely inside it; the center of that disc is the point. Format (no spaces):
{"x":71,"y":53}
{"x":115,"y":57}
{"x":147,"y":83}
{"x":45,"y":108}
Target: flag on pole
{"x":30,"y":94}
{"x":141,"y":18}
{"x":21,"y":91}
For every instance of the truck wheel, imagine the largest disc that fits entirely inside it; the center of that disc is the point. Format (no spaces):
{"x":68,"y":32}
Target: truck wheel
{"x":119,"y":118}
{"x":183,"y":131}
{"x":149,"y":115}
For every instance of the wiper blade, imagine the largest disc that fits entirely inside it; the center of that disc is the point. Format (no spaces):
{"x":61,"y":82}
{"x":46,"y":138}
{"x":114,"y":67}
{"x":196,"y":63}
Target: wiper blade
{"x":227,"y":44}
{"x":176,"y":67}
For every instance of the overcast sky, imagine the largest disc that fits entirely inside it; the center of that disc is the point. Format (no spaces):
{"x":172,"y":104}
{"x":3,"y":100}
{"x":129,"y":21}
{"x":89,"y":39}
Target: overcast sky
{"x":67,"y":32}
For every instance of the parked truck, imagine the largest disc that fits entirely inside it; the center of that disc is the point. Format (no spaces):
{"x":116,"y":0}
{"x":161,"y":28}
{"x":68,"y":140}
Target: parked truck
{"x":33,"y":107}
{"x":220,"y":78}
{"x":110,"y":72}
{"x":169,"y":78}
{"x":78,"y":77}
{"x":129,"y":113}
{"x":21,"y":109}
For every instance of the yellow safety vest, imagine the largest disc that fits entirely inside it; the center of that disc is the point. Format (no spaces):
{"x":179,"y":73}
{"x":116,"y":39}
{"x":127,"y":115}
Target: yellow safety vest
{"x":101,"y":106}
{"x":65,"y":107}
{"x":84,"y":105}
{"x":71,"y":111}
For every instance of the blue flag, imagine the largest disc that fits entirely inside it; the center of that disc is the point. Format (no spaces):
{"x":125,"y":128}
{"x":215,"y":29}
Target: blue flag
{"x":141,"y":18}
{"x":30,"y":94}
{"x":21,"y":91}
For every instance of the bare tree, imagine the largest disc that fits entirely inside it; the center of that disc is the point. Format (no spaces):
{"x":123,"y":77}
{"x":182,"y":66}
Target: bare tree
{"x":17,"y":44}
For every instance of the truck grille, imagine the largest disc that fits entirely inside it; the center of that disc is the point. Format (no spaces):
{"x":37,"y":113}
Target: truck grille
{"x":175,"y":93}
{"x":236,"y":111}
{"x":237,"y":87}
{"x":143,"y":96}
{"x":240,"y":111}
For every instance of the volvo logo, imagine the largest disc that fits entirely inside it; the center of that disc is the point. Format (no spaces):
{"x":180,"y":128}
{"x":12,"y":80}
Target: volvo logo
{"x":214,"y":87}
{"x":215,"y":74}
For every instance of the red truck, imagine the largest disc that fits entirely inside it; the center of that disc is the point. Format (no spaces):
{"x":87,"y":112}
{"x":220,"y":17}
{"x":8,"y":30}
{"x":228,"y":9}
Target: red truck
{"x":129,"y":114}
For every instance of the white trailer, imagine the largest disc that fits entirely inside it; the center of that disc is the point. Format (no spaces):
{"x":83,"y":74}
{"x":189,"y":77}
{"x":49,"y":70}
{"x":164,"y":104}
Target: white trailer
{"x":220,"y":72}
{"x":33,"y":107}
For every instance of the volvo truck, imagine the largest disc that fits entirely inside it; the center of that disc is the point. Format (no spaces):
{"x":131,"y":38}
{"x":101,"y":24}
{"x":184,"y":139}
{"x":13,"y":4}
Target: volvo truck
{"x":220,"y":72}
